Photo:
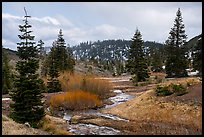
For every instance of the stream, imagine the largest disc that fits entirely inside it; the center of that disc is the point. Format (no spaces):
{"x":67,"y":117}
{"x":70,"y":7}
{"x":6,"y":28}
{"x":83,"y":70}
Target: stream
{"x":91,"y":129}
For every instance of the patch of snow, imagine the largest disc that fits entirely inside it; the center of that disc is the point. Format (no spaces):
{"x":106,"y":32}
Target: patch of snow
{"x":4,"y":99}
{"x":193,"y":73}
{"x":117,"y":91}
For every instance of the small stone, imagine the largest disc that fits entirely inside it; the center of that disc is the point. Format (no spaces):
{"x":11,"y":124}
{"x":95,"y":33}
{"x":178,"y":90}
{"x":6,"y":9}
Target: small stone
{"x":27,"y":124}
{"x":75,"y":119}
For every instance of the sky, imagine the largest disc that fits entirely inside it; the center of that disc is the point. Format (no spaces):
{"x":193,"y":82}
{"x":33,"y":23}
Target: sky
{"x":92,"y":21}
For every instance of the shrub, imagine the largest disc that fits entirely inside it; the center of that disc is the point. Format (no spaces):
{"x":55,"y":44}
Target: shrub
{"x":178,"y":89}
{"x":97,"y":86}
{"x":75,"y":100}
{"x":87,"y":83}
{"x":163,"y":91}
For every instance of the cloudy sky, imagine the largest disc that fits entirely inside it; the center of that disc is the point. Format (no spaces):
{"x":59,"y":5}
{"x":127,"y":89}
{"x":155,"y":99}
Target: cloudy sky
{"x":92,"y":21}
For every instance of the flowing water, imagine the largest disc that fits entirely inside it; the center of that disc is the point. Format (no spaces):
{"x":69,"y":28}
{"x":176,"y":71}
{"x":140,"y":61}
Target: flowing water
{"x":90,"y":129}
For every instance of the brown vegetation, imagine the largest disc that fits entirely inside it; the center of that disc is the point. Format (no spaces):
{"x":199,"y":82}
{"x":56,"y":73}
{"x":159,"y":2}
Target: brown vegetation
{"x":89,"y":83}
{"x":167,"y":114}
{"x":10,"y":127}
{"x":75,"y":100}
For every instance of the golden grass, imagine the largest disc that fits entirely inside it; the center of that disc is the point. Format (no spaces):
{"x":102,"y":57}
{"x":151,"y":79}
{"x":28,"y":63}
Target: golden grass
{"x":10,"y":127}
{"x":84,"y":82}
{"x":147,"y":107}
{"x":182,"y":81}
{"x":75,"y":100}
{"x":49,"y":124}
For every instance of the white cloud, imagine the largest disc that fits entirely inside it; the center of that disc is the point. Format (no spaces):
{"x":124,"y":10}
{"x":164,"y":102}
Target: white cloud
{"x":64,"y":21}
{"x":47,"y":19}
{"x":9,"y":16}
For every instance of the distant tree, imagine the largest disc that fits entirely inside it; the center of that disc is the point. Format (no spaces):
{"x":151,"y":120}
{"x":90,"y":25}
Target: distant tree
{"x":60,"y":58}
{"x":27,"y":103}
{"x":63,"y":55}
{"x":157,"y":60}
{"x":40,"y":47}
{"x":137,"y":63}
{"x":6,"y":73}
{"x":70,"y":59}
{"x":197,"y":56}
{"x":176,"y":63}
{"x":53,"y":84}
{"x":42,"y":57}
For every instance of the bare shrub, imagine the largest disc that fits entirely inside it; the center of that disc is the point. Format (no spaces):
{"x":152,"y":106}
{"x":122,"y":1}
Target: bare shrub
{"x":75,"y":100}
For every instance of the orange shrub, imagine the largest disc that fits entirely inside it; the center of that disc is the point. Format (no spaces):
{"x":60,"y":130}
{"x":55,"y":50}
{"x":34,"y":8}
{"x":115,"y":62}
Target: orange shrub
{"x":97,"y":86}
{"x":84,"y":82}
{"x":75,"y":100}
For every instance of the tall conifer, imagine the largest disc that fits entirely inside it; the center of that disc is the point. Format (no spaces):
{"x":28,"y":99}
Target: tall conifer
{"x":176,"y":63}
{"x":137,"y":63}
{"x":27,"y":105}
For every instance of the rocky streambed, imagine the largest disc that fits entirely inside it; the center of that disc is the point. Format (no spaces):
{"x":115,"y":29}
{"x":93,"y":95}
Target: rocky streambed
{"x":78,"y":120}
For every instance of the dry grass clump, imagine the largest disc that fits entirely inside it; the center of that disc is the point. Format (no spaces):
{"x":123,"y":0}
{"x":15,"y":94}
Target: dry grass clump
{"x":10,"y":127}
{"x":52,"y":125}
{"x":183,"y":81}
{"x":75,"y":100}
{"x":87,"y":83}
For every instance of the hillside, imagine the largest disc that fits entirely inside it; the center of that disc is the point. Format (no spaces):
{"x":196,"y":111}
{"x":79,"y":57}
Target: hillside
{"x":191,"y":43}
{"x":107,"y":50}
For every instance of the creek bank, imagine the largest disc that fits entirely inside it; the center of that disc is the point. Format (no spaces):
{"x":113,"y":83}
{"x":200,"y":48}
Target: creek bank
{"x":79,"y":121}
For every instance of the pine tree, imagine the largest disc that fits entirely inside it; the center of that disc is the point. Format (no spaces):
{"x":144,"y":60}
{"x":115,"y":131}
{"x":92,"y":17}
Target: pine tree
{"x":156,"y":60}
{"x":70,"y":60}
{"x":176,"y":62}
{"x":136,"y":63}
{"x":63,"y":54}
{"x":42,"y":57}
{"x":59,"y":59}
{"x":53,"y":84}
{"x":27,"y":95}
{"x":197,"y":56}
{"x":6,"y":73}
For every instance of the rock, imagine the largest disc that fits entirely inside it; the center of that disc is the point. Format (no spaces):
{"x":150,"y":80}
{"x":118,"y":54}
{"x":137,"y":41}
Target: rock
{"x":27,"y":124}
{"x":75,"y":119}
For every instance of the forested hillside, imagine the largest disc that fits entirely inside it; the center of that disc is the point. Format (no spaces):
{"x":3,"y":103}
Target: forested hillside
{"x":107,"y":49}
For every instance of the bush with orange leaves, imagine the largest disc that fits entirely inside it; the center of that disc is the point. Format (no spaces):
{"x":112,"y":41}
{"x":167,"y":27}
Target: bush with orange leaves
{"x":75,"y":100}
{"x":87,"y":83}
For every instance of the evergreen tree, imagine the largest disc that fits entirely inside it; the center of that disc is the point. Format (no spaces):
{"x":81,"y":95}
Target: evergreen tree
{"x":53,"y":84}
{"x":197,"y":56}
{"x":6,"y":73}
{"x":27,"y":95}
{"x":64,"y":56}
{"x":42,"y":57}
{"x":176,"y":62}
{"x":156,"y":60}
{"x":136,"y":63}
{"x":70,"y":60}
